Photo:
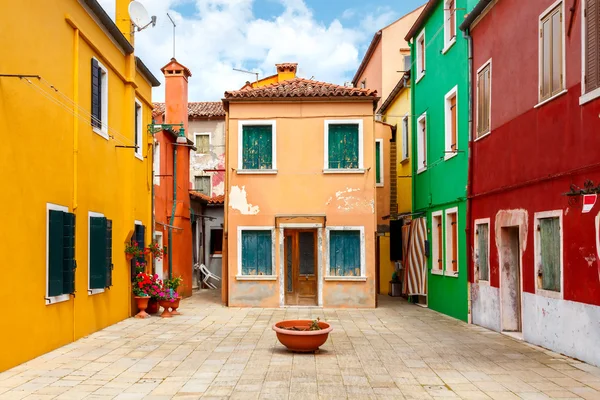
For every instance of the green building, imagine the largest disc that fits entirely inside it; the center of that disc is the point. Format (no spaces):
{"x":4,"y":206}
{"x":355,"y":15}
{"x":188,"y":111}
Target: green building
{"x":440,"y":133}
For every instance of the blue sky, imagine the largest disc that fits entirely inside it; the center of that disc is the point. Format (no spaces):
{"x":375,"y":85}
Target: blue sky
{"x":327,"y":38}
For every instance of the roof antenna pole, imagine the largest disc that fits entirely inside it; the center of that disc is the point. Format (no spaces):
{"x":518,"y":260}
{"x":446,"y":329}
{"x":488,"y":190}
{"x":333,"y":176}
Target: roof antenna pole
{"x":247,"y":72}
{"x":174,"y":26}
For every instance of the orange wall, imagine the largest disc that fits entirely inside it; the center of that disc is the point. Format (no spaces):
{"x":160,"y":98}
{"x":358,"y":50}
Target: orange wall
{"x":373,"y":72}
{"x":301,"y":188}
{"x":384,"y":132}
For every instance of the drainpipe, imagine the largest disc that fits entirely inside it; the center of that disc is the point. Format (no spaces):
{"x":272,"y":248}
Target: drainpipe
{"x":173,"y":211}
{"x":152,"y":216}
{"x":469,"y":230}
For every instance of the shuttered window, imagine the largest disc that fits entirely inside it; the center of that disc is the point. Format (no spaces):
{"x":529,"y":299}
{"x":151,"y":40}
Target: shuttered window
{"x":451,"y":242}
{"x":343,"y":146}
{"x":344,"y":253}
{"x":61,"y":253}
{"x":257,"y":147}
{"x":482,"y":256}
{"x":109,"y":262}
{"x":379,"y":162}
{"x":451,"y":123}
{"x":69,"y":263}
{"x":551,"y":68}
{"x":592,"y":45}
{"x":96,"y":94}
{"x":484,"y":85}
{"x":97,"y":255}
{"x":202,"y":184}
{"x":202,"y":143}
{"x":257,"y":248}
{"x":422,"y":143}
{"x":549,"y":239}
{"x":421,"y":55}
{"x":405,"y":133}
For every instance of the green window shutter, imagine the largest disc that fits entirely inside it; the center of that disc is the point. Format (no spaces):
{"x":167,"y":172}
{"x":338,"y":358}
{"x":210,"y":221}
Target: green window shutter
{"x":482,"y":244}
{"x":257,"y":147}
{"x":378,"y":162}
{"x":109,"y":263}
{"x":550,"y":249}
{"x":344,"y":253}
{"x":343,"y":146}
{"x":97,"y":252}
{"x":69,"y":263}
{"x":257,"y":253}
{"x":55,"y":252}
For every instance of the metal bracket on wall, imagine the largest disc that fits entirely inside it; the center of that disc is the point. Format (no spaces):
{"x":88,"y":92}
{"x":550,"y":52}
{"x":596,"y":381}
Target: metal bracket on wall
{"x":588,"y":188}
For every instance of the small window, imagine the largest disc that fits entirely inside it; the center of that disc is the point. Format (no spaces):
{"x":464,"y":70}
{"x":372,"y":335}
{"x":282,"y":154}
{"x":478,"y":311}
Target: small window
{"x":484,"y":101}
{"x":99,"y":79}
{"x":216,"y":241}
{"x":257,"y":251}
{"x":379,"y":162}
{"x":452,"y":242}
{"x":343,"y":144}
{"x":405,"y":133}
{"x":449,"y":23}
{"x":202,"y":184}
{"x":422,"y":143}
{"x":60,"y":259}
{"x":407,"y":62}
{"x":100,"y":253}
{"x":482,"y":249}
{"x":257,"y":145}
{"x":202,"y":143}
{"x":451,"y":124}
{"x":345,"y":253}
{"x":138,"y":129}
{"x":157,"y":172}
{"x":552,"y":53}
{"x":437,"y":230}
{"x":549,"y":251}
{"x":591,"y":16}
{"x":421,"y":56}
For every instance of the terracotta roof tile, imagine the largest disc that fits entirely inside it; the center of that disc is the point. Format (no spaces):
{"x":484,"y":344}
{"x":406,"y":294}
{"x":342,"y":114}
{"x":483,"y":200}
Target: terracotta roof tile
{"x":299,"y":87}
{"x":196,"y":109}
{"x":210,"y":200}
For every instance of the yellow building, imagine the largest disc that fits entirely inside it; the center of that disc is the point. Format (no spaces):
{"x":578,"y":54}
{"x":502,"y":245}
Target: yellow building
{"x":74,"y":104}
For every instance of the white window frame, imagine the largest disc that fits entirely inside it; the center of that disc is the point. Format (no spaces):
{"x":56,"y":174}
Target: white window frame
{"x":363,"y":261}
{"x":381,"y":164}
{"x":138,"y":133}
{"x":437,"y":249}
{"x":361,"y":166}
{"x":488,"y":62}
{"x":594,"y":94}
{"x":422,"y":167}
{"x":157,"y":164}
{"x":449,"y":41}
{"x":239,"y":275}
{"x":538,"y":254}
{"x":241,"y":125}
{"x":448,"y":241}
{"x":62,"y":297}
{"x":103,"y":130}
{"x":477,"y":223}
{"x":196,"y":134}
{"x":448,"y":151}
{"x":541,"y":60}
{"x":405,"y":137}
{"x":421,"y":69}
{"x":209,"y":184}
{"x":90,"y":291}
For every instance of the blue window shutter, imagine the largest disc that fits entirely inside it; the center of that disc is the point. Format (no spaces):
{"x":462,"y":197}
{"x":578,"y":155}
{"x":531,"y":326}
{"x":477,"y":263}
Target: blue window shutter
{"x":343,"y":146}
{"x":257,"y":253}
{"x":257,"y":147}
{"x":69,"y":263}
{"x":344,"y":253}
{"x":97,"y":252}
{"x":55,"y":252}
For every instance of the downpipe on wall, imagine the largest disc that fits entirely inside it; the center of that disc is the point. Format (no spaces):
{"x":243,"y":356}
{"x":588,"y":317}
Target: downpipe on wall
{"x":469,"y":230}
{"x":173,"y":211}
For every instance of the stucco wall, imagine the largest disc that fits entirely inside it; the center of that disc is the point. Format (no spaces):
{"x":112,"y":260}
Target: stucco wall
{"x":373,"y":72}
{"x":215,"y":160}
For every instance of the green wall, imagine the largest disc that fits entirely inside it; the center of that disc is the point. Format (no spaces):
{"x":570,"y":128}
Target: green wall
{"x":443,"y":184}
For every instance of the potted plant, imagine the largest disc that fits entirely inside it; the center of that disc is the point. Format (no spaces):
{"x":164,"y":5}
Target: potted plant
{"x":166,"y":298}
{"x":147,"y":284}
{"x":132,"y":250}
{"x":141,"y":286}
{"x":156,"y":251}
{"x":302,"y":335}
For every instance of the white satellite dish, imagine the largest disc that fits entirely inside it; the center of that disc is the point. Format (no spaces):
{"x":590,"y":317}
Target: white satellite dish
{"x":139,"y":16}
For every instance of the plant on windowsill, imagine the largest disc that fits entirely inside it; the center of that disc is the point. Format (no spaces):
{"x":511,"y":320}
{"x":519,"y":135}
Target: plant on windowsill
{"x":132,"y":250}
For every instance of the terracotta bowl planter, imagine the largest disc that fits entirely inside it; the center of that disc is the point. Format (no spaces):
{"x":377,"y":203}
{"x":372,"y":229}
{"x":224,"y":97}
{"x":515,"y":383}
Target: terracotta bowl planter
{"x":302,"y":340}
{"x":175,"y":306}
{"x":142,"y":304}
{"x":165,"y":304}
{"x":152,"y":306}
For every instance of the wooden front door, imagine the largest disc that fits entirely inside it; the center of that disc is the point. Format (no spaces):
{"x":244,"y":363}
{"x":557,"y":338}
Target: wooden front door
{"x":300,"y":267}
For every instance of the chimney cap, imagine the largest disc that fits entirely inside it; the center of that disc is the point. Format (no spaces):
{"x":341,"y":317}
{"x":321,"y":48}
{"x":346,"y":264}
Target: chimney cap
{"x":175,"y":66}
{"x":292,"y":67}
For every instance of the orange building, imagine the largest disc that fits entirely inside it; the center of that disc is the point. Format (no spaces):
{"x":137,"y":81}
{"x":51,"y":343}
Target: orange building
{"x":300,"y":210}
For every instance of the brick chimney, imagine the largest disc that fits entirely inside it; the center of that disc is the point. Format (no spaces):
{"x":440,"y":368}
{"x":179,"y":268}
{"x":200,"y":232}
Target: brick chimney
{"x":286,"y":71}
{"x":176,"y":93}
{"x":123,"y":19}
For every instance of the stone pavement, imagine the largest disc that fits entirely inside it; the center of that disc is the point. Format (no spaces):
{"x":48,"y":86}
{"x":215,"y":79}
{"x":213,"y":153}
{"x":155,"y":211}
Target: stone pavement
{"x":398,"y":351}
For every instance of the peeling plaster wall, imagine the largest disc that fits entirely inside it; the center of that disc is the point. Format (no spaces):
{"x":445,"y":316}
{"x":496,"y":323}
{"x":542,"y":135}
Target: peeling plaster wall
{"x":254,"y":294}
{"x":214,"y":160}
{"x":485,"y":303}
{"x":564,"y":326}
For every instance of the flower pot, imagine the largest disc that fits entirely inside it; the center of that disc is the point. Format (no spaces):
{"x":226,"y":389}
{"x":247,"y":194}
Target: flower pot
{"x":142,"y":304}
{"x":165,"y":304}
{"x":302,"y":340}
{"x":152,"y":306}
{"x":129,"y":257}
{"x":175,"y":306}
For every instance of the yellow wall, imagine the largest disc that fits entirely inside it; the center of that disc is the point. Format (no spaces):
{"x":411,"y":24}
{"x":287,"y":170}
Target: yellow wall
{"x":386,"y":267}
{"x":50,"y":156}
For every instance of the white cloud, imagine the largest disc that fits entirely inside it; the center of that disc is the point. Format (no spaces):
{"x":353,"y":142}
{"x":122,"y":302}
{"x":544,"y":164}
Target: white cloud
{"x":224,"y":34}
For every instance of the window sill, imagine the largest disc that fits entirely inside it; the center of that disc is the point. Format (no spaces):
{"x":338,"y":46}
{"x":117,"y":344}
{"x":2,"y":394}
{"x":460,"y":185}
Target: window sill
{"x":216,"y":255}
{"x":448,"y":156}
{"x":345,"y":278}
{"x":345,"y":171}
{"x":379,"y":185}
{"x":100,"y":132}
{"x":587,"y":97}
{"x":256,"y":171}
{"x":538,"y":105}
{"x":256,"y":277}
{"x":419,"y":77}
{"x":437,"y":272}
{"x":451,"y":274}
{"x":449,"y":45}
{"x":404,"y":160}
{"x":483,"y":282}
{"x":483,"y":136}
{"x":549,"y":294}
{"x":57,"y":299}
{"x":421,"y":170}
{"x":92,"y":292}
{"x":139,"y":157}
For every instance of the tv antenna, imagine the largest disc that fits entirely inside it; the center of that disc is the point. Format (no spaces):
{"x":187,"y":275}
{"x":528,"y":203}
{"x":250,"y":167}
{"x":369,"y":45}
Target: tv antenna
{"x":174,"y":26}
{"x":139,"y":16}
{"x":247,"y":72}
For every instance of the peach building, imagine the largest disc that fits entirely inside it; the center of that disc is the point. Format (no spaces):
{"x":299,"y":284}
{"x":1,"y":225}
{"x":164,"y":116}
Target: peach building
{"x":300,"y":209}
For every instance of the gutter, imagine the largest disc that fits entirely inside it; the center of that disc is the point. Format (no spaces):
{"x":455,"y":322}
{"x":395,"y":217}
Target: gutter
{"x":474,"y":14}
{"x":145,"y":72}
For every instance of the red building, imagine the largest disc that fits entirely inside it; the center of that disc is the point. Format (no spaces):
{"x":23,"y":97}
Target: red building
{"x":536,"y":137}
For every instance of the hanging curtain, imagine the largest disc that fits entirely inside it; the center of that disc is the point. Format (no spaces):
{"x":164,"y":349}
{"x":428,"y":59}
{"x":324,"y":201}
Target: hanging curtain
{"x":415,"y":282}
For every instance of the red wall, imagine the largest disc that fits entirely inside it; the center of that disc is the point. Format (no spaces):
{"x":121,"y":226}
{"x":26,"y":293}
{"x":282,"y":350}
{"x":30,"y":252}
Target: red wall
{"x":511,"y":166}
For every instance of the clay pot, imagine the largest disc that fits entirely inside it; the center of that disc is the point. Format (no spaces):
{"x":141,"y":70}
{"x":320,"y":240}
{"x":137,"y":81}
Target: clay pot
{"x":302,"y":340}
{"x":175,"y":306}
{"x":165,"y":304}
{"x":152,"y":306}
{"x":129,"y":257}
{"x":142,"y":304}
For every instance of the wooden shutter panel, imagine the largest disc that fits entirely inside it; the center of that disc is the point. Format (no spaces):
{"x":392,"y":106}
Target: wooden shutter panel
{"x":378,"y":162}
{"x":343,"y":146}
{"x":97,"y":252}
{"x":344,"y":253}
{"x":96,"y":94}
{"x":550,"y":249}
{"x":592,"y":45}
{"x":109,"y":263}
{"x":257,"y":149}
{"x":69,"y":263}
{"x":55,"y":252}
{"x":482,"y":244}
